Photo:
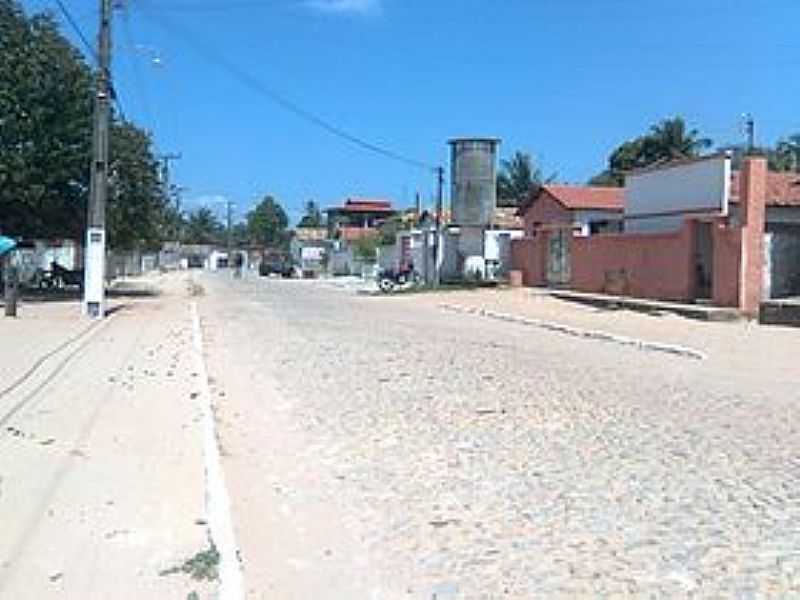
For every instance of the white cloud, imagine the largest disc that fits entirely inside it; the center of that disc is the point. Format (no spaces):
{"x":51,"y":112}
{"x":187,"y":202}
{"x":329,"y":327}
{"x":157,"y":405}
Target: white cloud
{"x":354,"y":7}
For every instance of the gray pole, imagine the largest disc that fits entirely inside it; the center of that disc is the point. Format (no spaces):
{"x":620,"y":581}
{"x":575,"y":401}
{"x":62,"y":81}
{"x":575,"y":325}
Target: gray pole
{"x":166,"y":159}
{"x":11,"y":280}
{"x":93,"y":291}
{"x":751,"y":134}
{"x":437,"y":248}
{"x":230,"y":234}
{"x":98,"y":192}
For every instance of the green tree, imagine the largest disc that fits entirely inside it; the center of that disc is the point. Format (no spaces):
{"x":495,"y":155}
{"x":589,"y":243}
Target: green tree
{"x":517,"y":178}
{"x":203,"y":227}
{"x":786,"y":154}
{"x":45,"y":127}
{"x":668,"y":140}
{"x":240,"y":236}
{"x":138,"y":211}
{"x":390,"y":228}
{"x":671,"y":139}
{"x":267,"y":223}
{"x":45,"y":143}
{"x":312,"y":217}
{"x":366,"y":248}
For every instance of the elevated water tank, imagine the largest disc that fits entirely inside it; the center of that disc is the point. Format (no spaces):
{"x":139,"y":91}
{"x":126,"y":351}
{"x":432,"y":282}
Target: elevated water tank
{"x":473,"y":176}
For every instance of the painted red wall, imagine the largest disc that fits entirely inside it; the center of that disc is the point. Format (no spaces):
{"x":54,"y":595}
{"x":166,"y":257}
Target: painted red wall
{"x":528,"y":255}
{"x":753,"y":191}
{"x":727,"y":264}
{"x":657,"y":265}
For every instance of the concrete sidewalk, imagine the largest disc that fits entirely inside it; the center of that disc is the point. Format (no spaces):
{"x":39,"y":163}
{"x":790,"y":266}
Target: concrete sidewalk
{"x":101,"y":458}
{"x":739,"y":348}
{"x":702,"y":312}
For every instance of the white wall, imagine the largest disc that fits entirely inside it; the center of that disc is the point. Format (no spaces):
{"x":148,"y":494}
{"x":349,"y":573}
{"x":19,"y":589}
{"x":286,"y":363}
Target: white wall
{"x":658,"y":199}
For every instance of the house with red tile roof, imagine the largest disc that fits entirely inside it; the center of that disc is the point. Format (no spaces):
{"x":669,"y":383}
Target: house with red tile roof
{"x":584,"y":210}
{"x":358,"y":213}
{"x":738,"y":259}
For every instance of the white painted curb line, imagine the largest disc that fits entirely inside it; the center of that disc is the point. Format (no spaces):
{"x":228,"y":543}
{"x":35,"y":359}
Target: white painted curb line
{"x":218,"y":504}
{"x":581,"y":333}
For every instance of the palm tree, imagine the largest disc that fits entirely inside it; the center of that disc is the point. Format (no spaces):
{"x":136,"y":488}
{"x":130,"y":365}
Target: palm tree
{"x":518,"y":176}
{"x":670,"y":140}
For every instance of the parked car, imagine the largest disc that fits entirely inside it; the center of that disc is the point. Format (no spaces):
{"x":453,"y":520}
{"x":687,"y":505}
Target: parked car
{"x":276,"y":266}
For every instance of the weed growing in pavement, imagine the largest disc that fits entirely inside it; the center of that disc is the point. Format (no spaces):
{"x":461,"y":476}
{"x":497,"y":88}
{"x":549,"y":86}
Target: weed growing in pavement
{"x":202,"y":566}
{"x":195,"y":289}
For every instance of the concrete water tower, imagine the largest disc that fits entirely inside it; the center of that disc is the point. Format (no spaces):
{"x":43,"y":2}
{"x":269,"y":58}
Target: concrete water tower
{"x":473,"y":177}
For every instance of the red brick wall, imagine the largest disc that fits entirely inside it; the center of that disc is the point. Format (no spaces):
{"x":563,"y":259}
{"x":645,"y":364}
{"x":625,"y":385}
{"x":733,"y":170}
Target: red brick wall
{"x":548,"y":211}
{"x":657,"y":265}
{"x":727,"y":251}
{"x":528,"y":255}
{"x":753,"y":193}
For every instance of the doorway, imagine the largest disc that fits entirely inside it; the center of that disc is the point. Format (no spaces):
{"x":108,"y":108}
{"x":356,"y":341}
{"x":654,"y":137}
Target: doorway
{"x":558,"y":257}
{"x":703,"y":260}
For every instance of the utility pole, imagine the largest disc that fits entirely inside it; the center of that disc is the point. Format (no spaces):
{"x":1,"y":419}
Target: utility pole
{"x":166,"y":159}
{"x":94,"y":259}
{"x":750,"y":131}
{"x":437,"y":248}
{"x":230,"y":232}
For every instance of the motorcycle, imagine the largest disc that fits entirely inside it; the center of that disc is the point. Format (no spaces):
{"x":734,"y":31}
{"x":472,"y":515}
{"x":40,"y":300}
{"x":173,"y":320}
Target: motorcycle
{"x":388,"y":279}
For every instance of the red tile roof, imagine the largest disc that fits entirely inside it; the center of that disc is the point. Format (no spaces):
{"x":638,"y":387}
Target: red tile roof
{"x":584,"y":197}
{"x":364,"y":205}
{"x":783,"y":189}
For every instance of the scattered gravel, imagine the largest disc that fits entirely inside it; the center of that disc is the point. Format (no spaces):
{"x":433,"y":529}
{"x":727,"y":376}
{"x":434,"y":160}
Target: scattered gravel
{"x":476,"y":458}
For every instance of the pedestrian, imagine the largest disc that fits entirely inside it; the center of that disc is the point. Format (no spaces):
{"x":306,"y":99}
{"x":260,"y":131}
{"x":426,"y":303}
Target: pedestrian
{"x":238,"y":262}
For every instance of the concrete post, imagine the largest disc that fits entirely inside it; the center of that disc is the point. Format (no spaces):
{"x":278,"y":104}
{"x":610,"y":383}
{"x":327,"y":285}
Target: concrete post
{"x":753,"y":197}
{"x":11,"y":287}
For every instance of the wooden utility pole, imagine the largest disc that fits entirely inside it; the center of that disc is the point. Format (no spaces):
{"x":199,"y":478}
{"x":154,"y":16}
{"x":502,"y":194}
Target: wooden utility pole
{"x":95,"y":249}
{"x":437,"y":248}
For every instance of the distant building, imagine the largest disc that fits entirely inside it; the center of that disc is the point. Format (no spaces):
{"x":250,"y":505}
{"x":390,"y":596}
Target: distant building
{"x":310,"y":249}
{"x":358,"y":213}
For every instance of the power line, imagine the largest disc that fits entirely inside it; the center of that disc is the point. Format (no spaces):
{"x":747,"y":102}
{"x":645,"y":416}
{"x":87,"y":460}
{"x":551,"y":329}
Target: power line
{"x":77,"y":30}
{"x":92,"y":53}
{"x":252,"y":82}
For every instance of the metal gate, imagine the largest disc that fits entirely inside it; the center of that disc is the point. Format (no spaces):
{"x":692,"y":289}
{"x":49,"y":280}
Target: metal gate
{"x":558,"y":262}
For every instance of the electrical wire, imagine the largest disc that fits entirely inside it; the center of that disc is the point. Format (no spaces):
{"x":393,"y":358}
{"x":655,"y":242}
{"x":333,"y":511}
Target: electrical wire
{"x":77,"y":30}
{"x":253,"y":83}
{"x":92,"y":53}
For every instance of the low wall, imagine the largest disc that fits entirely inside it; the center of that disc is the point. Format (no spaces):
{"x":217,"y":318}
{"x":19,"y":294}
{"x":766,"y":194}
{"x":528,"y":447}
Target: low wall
{"x":528,"y":255}
{"x":727,"y":264}
{"x":644,"y":265}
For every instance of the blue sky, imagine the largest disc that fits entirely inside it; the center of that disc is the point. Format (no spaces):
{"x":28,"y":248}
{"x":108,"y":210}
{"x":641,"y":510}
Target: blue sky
{"x":566,"y":80}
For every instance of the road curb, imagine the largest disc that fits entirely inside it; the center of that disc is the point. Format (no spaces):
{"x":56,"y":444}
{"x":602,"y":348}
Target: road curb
{"x":590,"y":334}
{"x":218,"y":504}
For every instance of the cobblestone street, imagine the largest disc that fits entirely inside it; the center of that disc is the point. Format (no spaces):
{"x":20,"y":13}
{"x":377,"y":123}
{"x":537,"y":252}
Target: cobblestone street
{"x":464,"y":457}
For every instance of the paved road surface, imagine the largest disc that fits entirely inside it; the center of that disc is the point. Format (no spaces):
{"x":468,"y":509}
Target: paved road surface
{"x":385,"y":448}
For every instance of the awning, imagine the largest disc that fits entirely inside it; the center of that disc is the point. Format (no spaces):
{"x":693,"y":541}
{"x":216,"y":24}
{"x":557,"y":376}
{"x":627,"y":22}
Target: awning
{"x":6,"y":245}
